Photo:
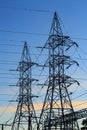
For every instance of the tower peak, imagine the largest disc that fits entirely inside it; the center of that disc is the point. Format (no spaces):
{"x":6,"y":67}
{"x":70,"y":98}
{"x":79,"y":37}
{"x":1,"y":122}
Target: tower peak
{"x":56,"y":27}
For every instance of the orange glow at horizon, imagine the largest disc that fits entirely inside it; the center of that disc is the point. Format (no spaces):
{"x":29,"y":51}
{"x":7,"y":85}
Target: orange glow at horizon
{"x":38,"y":106}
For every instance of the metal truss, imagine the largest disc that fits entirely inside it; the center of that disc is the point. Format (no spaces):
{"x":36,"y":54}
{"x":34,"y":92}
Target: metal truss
{"x":25,"y":117}
{"x":57,"y":102}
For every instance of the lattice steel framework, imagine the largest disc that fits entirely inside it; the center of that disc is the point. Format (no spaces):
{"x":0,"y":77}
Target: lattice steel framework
{"x":57,"y":103}
{"x":25,"y":117}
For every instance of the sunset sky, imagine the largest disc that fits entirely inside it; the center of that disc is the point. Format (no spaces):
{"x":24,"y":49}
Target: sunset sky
{"x":30,"y":20}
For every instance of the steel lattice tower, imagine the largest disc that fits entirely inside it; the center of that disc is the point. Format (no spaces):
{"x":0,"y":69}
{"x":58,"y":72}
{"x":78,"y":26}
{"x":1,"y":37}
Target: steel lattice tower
{"x":57,"y":104}
{"x":25,"y":117}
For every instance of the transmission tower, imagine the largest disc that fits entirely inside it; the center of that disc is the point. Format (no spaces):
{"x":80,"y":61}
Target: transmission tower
{"x":25,"y":117}
{"x":57,"y":103}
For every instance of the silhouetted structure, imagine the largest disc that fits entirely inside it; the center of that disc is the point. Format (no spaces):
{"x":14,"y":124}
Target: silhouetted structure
{"x":25,"y":117}
{"x":57,"y":103}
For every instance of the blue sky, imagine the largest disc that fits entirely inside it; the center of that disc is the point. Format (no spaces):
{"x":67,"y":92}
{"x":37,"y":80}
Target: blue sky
{"x":30,"y":20}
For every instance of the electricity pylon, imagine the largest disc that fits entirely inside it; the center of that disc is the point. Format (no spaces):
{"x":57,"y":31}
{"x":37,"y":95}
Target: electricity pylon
{"x":25,"y":117}
{"x":57,"y":103}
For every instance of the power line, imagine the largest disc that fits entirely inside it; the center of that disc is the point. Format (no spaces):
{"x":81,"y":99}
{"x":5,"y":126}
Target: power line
{"x":79,"y":96}
{"x":20,"y":32}
{"x":27,"y":9}
{"x":7,"y":63}
{"x":34,"y":33}
{"x":5,"y":83}
{"x":83,"y":69}
{"x":31,"y":33}
{"x":22,"y":41}
{"x":40,"y":75}
{"x":79,"y":38}
{"x":11,"y":45}
{"x":82,"y":51}
{"x":17,"y":53}
{"x":7,"y":73}
{"x":6,"y":94}
{"x":17,"y":45}
{"x":8,"y":77}
{"x":9,"y":52}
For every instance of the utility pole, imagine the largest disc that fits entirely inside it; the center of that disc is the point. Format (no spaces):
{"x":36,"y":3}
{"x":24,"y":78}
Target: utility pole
{"x":25,"y":116}
{"x":57,"y":103}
